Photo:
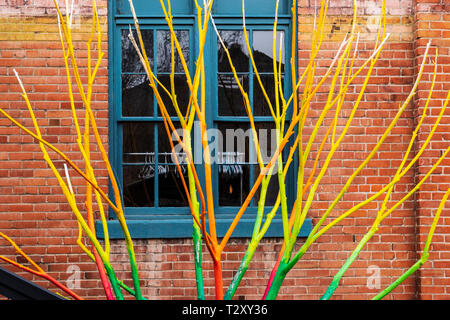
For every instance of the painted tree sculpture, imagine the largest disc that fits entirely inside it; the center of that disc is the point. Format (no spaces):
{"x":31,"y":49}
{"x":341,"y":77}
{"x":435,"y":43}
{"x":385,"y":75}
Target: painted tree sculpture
{"x":293,"y":145}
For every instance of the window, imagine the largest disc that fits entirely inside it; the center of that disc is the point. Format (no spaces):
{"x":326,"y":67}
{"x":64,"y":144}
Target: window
{"x":231,"y":118}
{"x":149,"y":178}
{"x":153,"y":195}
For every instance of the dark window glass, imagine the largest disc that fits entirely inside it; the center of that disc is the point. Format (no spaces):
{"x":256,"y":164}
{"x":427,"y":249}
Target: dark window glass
{"x":148,"y":169}
{"x":181,"y":91}
{"x":268,"y":146}
{"x":163,"y":139}
{"x":231,"y":101}
{"x":145,"y":173}
{"x":138,"y":185}
{"x":260,"y":105}
{"x":235,"y":43}
{"x":171,"y":190}
{"x":233,"y":184}
{"x":164,"y":59}
{"x":232,"y":155}
{"x":267,"y":140}
{"x":235,"y":137}
{"x":138,"y":142}
{"x":138,"y":177}
{"x":170,"y":187}
{"x":130,"y":58}
{"x":137,"y":96}
{"x":272,"y":189}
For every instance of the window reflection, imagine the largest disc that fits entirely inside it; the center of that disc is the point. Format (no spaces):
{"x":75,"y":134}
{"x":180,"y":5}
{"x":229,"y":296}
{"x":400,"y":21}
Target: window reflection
{"x":272,"y":189}
{"x":139,"y":171}
{"x":233,"y":163}
{"x":233,"y":184}
{"x":260,"y":105}
{"x":171,"y":190}
{"x":235,"y":43}
{"x":130,"y":59}
{"x":231,"y":102}
{"x":164,"y":53}
{"x":263,"y":50}
{"x":138,"y":140}
{"x":148,"y":169}
{"x":181,"y":90}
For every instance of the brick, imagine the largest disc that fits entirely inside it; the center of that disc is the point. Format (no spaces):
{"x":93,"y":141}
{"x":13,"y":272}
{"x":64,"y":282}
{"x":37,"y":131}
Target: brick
{"x":27,"y":187}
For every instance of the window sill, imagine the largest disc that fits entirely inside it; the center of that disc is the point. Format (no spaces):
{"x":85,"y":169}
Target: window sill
{"x":182,"y":228}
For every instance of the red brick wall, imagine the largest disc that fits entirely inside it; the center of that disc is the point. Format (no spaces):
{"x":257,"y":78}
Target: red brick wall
{"x":393,"y":248}
{"x":33,"y":211}
{"x":432,"y":22}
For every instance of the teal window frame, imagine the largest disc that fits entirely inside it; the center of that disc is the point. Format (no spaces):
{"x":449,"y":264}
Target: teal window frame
{"x":176,"y":222}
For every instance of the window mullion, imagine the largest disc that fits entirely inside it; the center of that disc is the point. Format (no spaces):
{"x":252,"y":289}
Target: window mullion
{"x":250,"y":94}
{"x":156,"y":164}
{"x":155,"y":126}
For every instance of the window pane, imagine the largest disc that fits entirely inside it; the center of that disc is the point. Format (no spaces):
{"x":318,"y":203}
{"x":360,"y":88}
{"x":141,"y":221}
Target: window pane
{"x":260,"y":105}
{"x":171,"y":190}
{"x":181,"y":90}
{"x":272,"y":189}
{"x":267,"y":138}
{"x":164,"y":148}
{"x":235,"y":43}
{"x":231,"y":102}
{"x":233,"y":184}
{"x":234,"y":138}
{"x":130,"y":58}
{"x":137,"y":96}
{"x":164,"y":55}
{"x":263,"y":50}
{"x":138,"y":143}
{"x":232,"y":156}
{"x":138,"y":185}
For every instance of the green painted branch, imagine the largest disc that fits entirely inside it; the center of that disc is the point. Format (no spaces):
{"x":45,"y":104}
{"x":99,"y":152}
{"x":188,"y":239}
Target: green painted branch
{"x":277,"y":281}
{"x":402,"y":278}
{"x":197,"y":238}
{"x":114,"y":281}
{"x":282,"y":187}
{"x":128,"y":289}
{"x":261,"y":204}
{"x":196,"y":230}
{"x":134,"y":275}
{"x":240,"y":272}
{"x":256,"y":237}
{"x":425,"y":253}
{"x":337,"y":278}
{"x":298,"y":218}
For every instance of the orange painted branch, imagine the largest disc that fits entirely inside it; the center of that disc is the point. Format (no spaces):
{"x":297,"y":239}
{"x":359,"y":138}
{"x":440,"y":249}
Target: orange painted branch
{"x":38,"y":272}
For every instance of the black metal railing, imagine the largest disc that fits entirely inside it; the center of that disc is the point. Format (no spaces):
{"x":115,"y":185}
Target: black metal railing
{"x":15,"y":287}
